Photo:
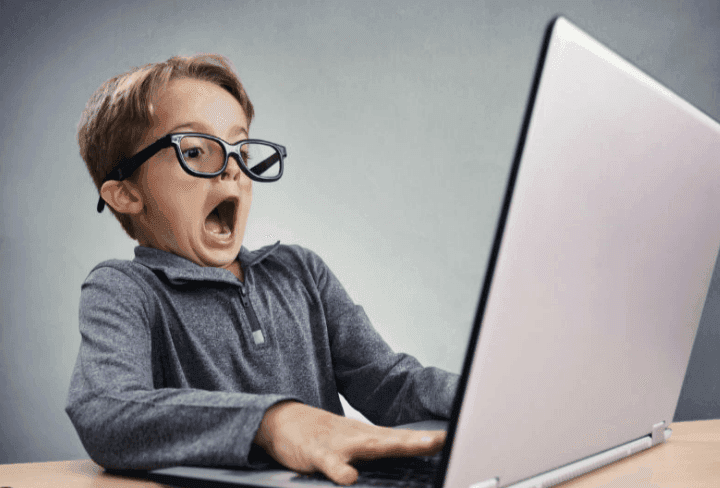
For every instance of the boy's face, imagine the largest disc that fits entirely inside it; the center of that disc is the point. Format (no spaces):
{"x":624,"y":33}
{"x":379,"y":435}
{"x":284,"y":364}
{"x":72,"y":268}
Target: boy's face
{"x":200,"y":219}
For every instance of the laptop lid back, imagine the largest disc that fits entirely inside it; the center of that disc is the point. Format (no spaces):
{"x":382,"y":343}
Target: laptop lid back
{"x":599,"y":272}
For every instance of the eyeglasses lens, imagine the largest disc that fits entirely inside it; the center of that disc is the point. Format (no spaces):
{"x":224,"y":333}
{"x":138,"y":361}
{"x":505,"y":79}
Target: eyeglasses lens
{"x":202,"y":155}
{"x":261,"y":159}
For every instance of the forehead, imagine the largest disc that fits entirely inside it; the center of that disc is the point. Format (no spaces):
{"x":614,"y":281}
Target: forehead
{"x":197,"y":105}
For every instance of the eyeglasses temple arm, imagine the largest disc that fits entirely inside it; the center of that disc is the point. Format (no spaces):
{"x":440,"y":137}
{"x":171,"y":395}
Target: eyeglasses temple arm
{"x":127,"y":167}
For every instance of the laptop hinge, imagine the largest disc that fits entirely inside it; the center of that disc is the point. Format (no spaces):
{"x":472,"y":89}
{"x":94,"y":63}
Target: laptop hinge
{"x":658,"y":432}
{"x":488,"y":483}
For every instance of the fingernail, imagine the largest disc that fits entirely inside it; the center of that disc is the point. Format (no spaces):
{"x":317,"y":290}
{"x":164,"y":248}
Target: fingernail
{"x":427,"y":438}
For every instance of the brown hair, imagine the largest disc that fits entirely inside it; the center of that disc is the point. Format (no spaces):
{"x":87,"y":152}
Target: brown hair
{"x":119,"y":113}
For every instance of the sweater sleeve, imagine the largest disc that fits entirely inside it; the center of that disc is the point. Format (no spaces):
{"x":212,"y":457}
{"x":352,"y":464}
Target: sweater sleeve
{"x":389,"y":388}
{"x":123,"y":421}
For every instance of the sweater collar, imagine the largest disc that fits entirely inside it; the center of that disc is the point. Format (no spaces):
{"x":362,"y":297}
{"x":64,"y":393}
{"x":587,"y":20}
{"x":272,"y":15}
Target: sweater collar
{"x":179,"y":270}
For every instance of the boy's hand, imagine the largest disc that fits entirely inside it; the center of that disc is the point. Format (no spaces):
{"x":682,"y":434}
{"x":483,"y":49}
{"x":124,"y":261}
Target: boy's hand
{"x":307,"y":439}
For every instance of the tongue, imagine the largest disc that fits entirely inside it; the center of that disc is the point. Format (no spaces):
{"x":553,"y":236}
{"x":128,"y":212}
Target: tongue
{"x":215,"y":225}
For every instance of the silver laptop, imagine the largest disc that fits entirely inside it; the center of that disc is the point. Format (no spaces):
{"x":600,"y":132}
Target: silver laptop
{"x":597,"y":278}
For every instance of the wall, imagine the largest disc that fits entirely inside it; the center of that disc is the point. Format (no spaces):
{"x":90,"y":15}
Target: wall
{"x":400,"y":120}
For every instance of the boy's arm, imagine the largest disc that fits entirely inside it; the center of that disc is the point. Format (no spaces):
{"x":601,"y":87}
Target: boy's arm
{"x":388,"y":388}
{"x":123,"y":421}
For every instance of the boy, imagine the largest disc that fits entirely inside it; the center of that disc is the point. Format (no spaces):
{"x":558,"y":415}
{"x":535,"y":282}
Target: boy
{"x":199,"y":351}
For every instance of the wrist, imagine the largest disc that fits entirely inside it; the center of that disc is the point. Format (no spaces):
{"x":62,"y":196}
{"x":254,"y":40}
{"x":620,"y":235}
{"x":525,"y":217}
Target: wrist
{"x":272,"y":416}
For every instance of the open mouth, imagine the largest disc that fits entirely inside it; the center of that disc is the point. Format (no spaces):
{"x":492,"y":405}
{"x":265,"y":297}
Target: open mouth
{"x":221,"y":221}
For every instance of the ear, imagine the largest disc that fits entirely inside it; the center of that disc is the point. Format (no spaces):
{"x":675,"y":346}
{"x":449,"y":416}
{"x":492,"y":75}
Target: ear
{"x":123,"y":196}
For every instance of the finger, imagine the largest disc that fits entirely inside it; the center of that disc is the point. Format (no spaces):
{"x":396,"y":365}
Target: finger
{"x":399,"y":443}
{"x":336,"y":468}
{"x":414,"y":441}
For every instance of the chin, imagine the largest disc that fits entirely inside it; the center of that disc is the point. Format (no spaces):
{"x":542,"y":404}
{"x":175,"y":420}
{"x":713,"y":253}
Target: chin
{"x":221,"y":258}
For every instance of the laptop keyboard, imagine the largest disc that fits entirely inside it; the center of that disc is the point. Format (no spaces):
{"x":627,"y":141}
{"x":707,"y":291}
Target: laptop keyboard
{"x":413,"y":472}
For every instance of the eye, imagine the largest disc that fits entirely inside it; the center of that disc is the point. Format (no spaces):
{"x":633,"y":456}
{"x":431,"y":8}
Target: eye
{"x":193,"y":152}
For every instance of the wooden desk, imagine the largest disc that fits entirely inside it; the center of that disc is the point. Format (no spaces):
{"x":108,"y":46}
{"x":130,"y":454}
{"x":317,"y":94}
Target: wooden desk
{"x":691,"y":458}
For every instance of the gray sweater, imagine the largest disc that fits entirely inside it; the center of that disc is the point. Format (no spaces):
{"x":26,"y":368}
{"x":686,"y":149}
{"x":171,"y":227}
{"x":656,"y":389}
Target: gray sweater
{"x":178,"y":363}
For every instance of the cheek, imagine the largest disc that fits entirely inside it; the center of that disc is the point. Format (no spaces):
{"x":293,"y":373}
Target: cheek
{"x":176,"y":203}
{"x":247,"y":200}
{"x":247,"y":188}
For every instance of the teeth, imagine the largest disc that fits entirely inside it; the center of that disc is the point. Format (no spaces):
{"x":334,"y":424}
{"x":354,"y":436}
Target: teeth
{"x":215,"y":224}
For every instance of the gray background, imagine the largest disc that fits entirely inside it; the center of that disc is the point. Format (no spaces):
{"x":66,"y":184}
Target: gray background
{"x":400,"y":119}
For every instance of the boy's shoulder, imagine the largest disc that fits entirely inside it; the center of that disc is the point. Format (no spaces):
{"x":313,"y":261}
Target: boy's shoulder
{"x":120,"y":277}
{"x":124,"y":266}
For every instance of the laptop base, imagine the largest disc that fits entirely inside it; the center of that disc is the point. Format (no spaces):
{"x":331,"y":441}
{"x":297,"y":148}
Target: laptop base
{"x":578,"y":468}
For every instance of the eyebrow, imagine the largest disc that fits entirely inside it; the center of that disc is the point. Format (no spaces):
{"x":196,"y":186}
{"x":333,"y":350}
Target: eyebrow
{"x":238,"y":131}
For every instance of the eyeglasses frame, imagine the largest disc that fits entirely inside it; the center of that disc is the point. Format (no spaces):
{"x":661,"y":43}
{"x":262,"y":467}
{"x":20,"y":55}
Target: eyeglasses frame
{"x":128,"y":166}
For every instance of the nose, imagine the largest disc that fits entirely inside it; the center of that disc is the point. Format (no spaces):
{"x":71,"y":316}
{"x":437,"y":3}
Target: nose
{"x":232,"y":169}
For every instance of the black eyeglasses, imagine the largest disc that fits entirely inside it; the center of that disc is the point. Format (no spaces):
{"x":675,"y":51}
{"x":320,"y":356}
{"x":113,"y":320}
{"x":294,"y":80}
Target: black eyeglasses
{"x":207,"y":156}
